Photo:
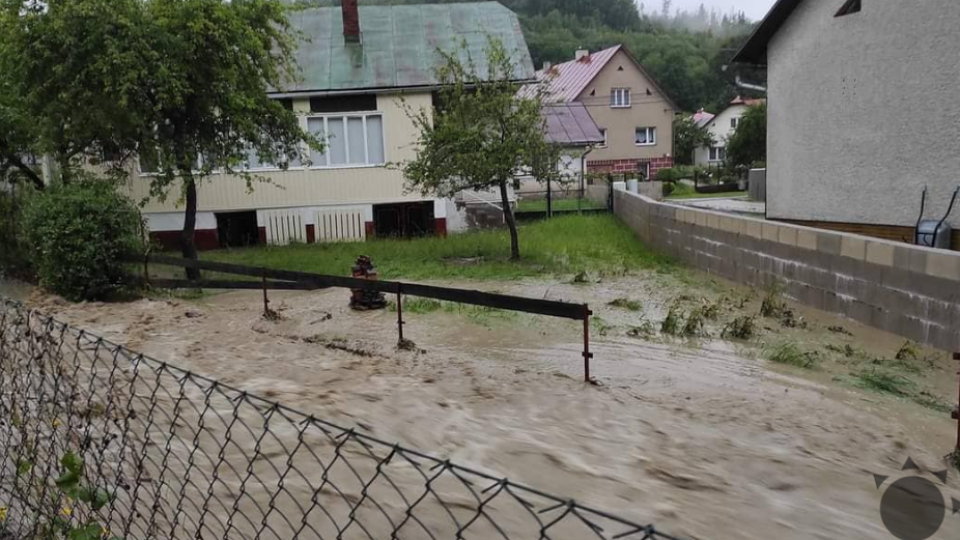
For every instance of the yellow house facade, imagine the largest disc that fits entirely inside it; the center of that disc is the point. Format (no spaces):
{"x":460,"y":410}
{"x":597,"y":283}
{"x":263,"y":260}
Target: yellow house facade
{"x":357,"y":93}
{"x":632,"y":111}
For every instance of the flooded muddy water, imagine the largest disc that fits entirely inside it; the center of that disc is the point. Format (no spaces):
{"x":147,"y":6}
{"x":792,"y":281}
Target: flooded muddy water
{"x":703,"y":437}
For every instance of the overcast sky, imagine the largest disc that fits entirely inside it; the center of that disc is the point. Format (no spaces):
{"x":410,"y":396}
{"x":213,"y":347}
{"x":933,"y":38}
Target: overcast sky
{"x":755,"y":9}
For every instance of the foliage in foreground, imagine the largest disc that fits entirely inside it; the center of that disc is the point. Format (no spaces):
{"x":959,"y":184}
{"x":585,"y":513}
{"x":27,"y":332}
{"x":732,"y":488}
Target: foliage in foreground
{"x":78,"y":235}
{"x":565,"y":245}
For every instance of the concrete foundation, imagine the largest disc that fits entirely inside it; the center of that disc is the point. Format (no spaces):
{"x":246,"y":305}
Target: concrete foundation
{"x":900,"y":288}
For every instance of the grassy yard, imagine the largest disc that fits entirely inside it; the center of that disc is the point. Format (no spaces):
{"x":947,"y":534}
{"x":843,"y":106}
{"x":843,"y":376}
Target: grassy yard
{"x":561,"y":205}
{"x":562,"y":245}
{"x":686,"y":191}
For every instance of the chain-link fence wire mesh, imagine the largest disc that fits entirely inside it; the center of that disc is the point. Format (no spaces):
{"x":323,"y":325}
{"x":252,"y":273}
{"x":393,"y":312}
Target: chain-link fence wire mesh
{"x":184,"y":456}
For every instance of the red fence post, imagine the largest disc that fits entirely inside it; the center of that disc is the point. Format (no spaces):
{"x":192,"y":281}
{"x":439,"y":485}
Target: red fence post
{"x":587,"y":355}
{"x":956,"y":356}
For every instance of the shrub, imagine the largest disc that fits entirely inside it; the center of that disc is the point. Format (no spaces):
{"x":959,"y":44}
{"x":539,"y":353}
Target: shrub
{"x":673,"y":324}
{"x":740,"y":328}
{"x":790,"y":354}
{"x":15,"y":260}
{"x":685,"y":172}
{"x":78,"y":235}
{"x":668,"y":188}
{"x":668,"y":175}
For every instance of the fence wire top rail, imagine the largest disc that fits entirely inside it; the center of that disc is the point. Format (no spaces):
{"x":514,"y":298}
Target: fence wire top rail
{"x":185,"y":456}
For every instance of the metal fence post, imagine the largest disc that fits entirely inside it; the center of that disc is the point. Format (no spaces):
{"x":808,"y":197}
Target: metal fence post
{"x":400,"y":312}
{"x":266,"y":301}
{"x":587,"y":355}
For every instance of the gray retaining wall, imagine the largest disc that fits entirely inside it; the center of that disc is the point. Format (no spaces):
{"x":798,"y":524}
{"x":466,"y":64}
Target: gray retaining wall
{"x":903,"y":289}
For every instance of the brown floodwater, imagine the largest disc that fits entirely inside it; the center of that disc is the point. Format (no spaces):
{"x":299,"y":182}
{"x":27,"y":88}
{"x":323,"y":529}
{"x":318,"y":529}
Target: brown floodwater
{"x":703,"y":437}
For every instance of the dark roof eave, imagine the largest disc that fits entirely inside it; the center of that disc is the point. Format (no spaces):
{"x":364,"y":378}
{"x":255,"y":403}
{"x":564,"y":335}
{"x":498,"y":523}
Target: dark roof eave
{"x":754,"y":51}
{"x":370,"y":90}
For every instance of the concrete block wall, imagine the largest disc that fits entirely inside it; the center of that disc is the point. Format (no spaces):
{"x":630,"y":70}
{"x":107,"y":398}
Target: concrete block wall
{"x":899,"y":288}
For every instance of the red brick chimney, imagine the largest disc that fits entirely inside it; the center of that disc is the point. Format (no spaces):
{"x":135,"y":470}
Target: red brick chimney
{"x":351,"y":20}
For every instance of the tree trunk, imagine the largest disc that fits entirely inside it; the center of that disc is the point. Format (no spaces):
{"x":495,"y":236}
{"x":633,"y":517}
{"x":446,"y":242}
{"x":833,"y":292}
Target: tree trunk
{"x":511,"y":223}
{"x":15,"y":161}
{"x":188,"y":244}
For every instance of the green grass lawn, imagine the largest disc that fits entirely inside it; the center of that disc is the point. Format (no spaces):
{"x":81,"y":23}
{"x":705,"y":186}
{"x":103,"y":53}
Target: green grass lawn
{"x":686,"y":191}
{"x":562,"y":245}
{"x":561,"y":205}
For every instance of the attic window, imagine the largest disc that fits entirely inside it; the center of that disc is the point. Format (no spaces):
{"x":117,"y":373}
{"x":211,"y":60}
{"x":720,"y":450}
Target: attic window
{"x":851,"y":6}
{"x":620,"y":68}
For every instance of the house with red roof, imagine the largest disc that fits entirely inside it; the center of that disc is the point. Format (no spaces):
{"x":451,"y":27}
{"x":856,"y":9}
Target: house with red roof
{"x":721,"y":126}
{"x":632,"y":111}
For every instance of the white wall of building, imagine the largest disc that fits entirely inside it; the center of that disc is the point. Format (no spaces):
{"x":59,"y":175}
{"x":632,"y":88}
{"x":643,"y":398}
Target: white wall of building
{"x":721,"y":128}
{"x":863,"y":112}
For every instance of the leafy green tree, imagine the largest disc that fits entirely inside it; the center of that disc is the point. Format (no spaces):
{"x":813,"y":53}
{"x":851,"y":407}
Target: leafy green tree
{"x":206,"y":102}
{"x":481,"y":134}
{"x":748,"y":143}
{"x":72,"y":78}
{"x":688,"y":136}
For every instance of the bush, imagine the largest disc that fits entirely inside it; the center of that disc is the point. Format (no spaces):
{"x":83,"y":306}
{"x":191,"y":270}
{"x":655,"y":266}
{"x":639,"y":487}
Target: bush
{"x":685,"y":172}
{"x":668,"y":188}
{"x":15,"y":260}
{"x":78,"y":235}
{"x":668,"y":175}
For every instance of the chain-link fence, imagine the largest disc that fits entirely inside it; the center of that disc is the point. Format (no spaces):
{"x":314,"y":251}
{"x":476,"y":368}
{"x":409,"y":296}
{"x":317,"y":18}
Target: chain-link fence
{"x":170,"y":454}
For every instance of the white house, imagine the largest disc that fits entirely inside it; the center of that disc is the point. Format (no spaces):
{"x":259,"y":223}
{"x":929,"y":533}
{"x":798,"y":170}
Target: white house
{"x":721,"y":126}
{"x":355,"y":89}
{"x":862,"y":113}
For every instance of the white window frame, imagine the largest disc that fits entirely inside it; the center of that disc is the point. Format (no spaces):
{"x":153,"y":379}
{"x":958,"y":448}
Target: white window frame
{"x":272,"y":168}
{"x":651,"y":136}
{"x":716,"y":154}
{"x":220,"y":170}
{"x":606,"y":141}
{"x":620,"y":98}
{"x":346,"y":135}
{"x":734,"y":122}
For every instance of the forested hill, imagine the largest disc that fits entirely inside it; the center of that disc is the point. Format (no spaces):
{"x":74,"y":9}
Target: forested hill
{"x":684,"y":51}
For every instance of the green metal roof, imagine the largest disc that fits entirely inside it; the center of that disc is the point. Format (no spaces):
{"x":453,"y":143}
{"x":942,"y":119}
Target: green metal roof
{"x":400,"y":44}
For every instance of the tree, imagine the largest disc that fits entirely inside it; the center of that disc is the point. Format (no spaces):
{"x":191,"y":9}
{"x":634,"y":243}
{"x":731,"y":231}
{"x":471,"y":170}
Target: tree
{"x":688,"y":136}
{"x":207,"y":96}
{"x":748,"y":144}
{"x":71,"y":80}
{"x":480,"y":134}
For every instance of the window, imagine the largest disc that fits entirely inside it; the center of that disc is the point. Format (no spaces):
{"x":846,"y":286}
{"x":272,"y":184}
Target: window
{"x":350,"y":140}
{"x":851,"y":6}
{"x":620,"y":98}
{"x":603,"y":131}
{"x":717,"y":153}
{"x":254,"y":161}
{"x":733,"y":122}
{"x":646,"y":136}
